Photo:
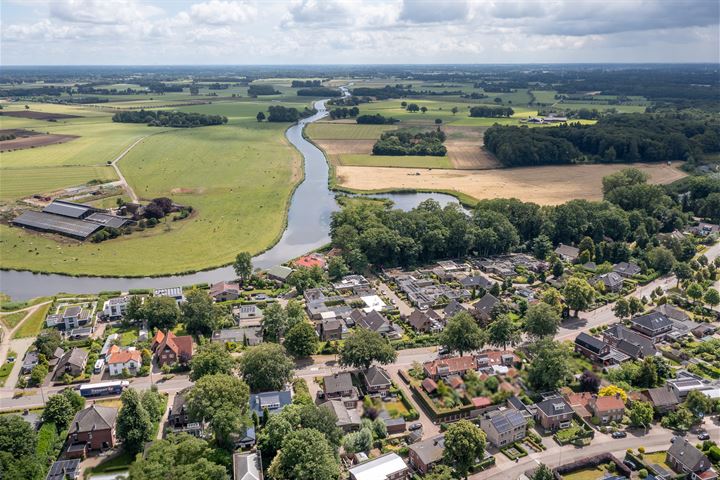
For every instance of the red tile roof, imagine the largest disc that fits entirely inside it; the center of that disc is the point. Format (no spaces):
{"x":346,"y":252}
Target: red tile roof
{"x":454,"y":364}
{"x":125,"y":356}
{"x":481,"y":402}
{"x":429,"y":385}
{"x":604,"y":404}
{"x":181,"y":346}
{"x":312,"y":260}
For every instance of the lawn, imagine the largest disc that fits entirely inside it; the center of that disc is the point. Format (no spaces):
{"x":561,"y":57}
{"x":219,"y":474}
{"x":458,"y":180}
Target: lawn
{"x":585,"y":474}
{"x":658,"y":458}
{"x":237,"y":177}
{"x":33,"y":324}
{"x":12,"y":319}
{"x":345,"y":131}
{"x":23,"y":182}
{"x":5,"y":370}
{"x":409,"y":161}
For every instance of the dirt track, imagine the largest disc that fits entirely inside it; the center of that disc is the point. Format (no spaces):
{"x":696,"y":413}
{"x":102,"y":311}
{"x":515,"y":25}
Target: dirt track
{"x":549,"y":185}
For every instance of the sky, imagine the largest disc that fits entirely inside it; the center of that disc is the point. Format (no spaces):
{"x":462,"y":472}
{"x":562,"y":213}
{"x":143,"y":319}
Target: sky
{"x":252,"y":32}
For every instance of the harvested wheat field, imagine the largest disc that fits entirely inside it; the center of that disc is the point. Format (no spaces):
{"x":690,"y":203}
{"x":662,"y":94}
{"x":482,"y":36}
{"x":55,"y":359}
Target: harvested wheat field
{"x":549,"y":185}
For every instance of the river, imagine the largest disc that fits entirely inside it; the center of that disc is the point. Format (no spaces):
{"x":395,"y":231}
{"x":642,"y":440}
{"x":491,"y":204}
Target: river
{"x":308,"y":227}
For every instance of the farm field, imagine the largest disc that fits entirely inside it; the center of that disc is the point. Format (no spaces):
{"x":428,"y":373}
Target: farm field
{"x":32,"y":325}
{"x":237,"y":177}
{"x":547,"y":185}
{"x":21,"y":182}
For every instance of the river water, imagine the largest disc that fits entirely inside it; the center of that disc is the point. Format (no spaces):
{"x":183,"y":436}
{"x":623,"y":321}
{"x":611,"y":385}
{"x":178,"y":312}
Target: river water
{"x":308,"y":228}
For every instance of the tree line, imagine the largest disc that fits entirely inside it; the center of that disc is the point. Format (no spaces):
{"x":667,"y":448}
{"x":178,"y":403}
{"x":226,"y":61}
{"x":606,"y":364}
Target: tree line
{"x":306,"y":83}
{"x":616,"y":138}
{"x":164,"y":118}
{"x":319,"y":92}
{"x":279,"y":113}
{"x":405,"y":142}
{"x":257,"y":90}
{"x":344,"y":112}
{"x":376,"y":119}
{"x":490,"y":111}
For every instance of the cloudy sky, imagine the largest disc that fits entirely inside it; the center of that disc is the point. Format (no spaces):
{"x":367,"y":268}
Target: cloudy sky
{"x":133,"y":32}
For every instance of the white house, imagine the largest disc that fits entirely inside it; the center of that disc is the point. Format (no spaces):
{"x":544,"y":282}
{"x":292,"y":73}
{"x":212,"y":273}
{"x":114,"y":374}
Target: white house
{"x":122,"y":359}
{"x":115,"y":307}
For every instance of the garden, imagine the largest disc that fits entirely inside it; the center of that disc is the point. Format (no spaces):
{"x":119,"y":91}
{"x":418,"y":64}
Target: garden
{"x":576,"y":432}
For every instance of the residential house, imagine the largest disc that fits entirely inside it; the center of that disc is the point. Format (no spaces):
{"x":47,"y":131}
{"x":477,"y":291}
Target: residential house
{"x":249,"y":336}
{"x":482,"y":309}
{"x":579,"y":403}
{"x":424,"y":455}
{"x":377,"y":381}
{"x":476,"y":281}
{"x":247,"y":466}
{"x":683,"y":385}
{"x":654,"y":325}
{"x":246,"y":439}
{"x":504,"y":427}
{"x":74,"y":316}
{"x":567,"y":253}
{"x":351,"y":282}
{"x":375,"y":321}
{"x":704,"y":229}
{"x":453,"y":308}
{"x":171,"y":349}
{"x":93,"y":428}
{"x":346,"y":419}
{"x":493,"y":362}
{"x":179,"y":420}
{"x":311,"y":260}
{"x":591,"y":347}
{"x":244,"y":313}
{"x":629,"y":342}
{"x":684,"y":458}
{"x":64,"y":470}
{"x":273,"y":402}
{"x":664,"y":399}
{"x":73,"y":363}
{"x":444,"y":367}
{"x":607,"y":409}
{"x":339,"y":386}
{"x":29,"y":362}
{"x":626,"y":269}
{"x":425,"y":321}
{"x":279,"y":273}
{"x":385,"y":467}
{"x":128,"y":359}
{"x":612,"y":281}
{"x":554,"y":413}
{"x":394,"y":425}
{"x":116,"y":307}
{"x":225,"y":291}
{"x":111,"y":340}
{"x":331,"y":329}
{"x":176,"y":293}
{"x":673,"y":313}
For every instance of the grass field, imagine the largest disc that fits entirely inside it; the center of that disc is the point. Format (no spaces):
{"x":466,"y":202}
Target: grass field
{"x":345,"y":131}
{"x":548,"y":185}
{"x":407,"y":161}
{"x":22,"y":182}
{"x":12,"y":319}
{"x":33,"y":324}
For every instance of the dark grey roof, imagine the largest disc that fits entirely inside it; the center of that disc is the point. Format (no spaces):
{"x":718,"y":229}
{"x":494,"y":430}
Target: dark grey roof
{"x":373,"y":320}
{"x":247,"y":466}
{"x":610,"y":279}
{"x":376,"y":377}
{"x":273,"y":401}
{"x":106,"y":220}
{"x":93,"y":418}
{"x":653,"y":321}
{"x":554,"y":406}
{"x":672,"y":312}
{"x":630,"y":342}
{"x":508,"y":420}
{"x":453,"y":308}
{"x":431,"y":450}
{"x":476,"y":281}
{"x":64,"y":469}
{"x":662,"y":396}
{"x":67,"y":209}
{"x":56,"y":223}
{"x":338,"y":382}
{"x":567,"y":250}
{"x":486,"y":303}
{"x":591,"y":343}
{"x":626,"y":268}
{"x":688,"y":455}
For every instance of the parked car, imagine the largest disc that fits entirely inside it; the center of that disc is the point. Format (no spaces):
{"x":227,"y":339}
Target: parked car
{"x":415,"y":426}
{"x":703,"y":436}
{"x":630,"y":465}
{"x":619,"y":434}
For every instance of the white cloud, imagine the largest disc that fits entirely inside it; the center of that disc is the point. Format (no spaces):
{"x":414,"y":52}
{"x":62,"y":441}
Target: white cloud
{"x":103,"y":12}
{"x":222,"y":12}
{"x":430,"y":11}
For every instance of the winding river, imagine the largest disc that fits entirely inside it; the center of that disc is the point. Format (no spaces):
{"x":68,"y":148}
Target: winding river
{"x":308,"y":227}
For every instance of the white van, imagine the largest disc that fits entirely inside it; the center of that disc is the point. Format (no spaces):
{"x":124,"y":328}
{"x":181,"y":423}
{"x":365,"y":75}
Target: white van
{"x":99,"y":365}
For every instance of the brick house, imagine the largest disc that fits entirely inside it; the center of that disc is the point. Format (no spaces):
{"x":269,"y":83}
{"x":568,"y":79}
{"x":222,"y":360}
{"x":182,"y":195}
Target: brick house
{"x":424,"y":455}
{"x":377,"y":381}
{"x":554,"y":414}
{"x":445,"y":367}
{"x":504,"y":427}
{"x":93,"y":428}
{"x":607,"y":409}
{"x":684,"y":458}
{"x":170,"y":349}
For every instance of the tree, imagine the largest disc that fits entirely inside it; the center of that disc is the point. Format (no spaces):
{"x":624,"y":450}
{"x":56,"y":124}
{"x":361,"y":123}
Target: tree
{"x":641,"y":414}
{"x":304,"y":278}
{"x":542,"y":247}
{"x":266,"y":367}
{"x":589,"y":382}
{"x":243,"y":261}
{"x":438,"y":121}
{"x":542,"y":472}
{"x":558,"y":269}
{"x":542,"y":320}
{"x":502,"y":332}
{"x":635,"y":306}
{"x":180,"y":457}
{"x":274,"y":322}
{"x":356,"y":442}
{"x":694,"y":291}
{"x":454,"y":110}
{"x":412,"y":107}
{"x":134,"y":426}
{"x":647,"y":374}
{"x":423,"y":109}
{"x":154,"y":403}
{"x":550,"y":367}
{"x":199,"y":314}
{"x":464,"y":445}
{"x":661,"y":259}
{"x":621,"y":309}
{"x":47,"y":342}
{"x":699,"y":403}
{"x":462,"y":334}
{"x":611,"y":391}
{"x":712,"y":297}
{"x":305,"y":455}
{"x":337,"y":268}
{"x":681,"y":419}
{"x":161,"y":312}
{"x":17,"y":437}
{"x":579,"y":294}
{"x":552,"y":297}
{"x":211,"y":359}
{"x":295,"y":313}
{"x":38,"y":374}
{"x":682,"y":271}
{"x":364,"y":347}
{"x":58,"y":410}
{"x":260,"y":116}
{"x":221,"y":400}
{"x":301,"y":340}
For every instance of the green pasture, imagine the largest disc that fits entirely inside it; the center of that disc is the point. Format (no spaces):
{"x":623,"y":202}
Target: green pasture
{"x":345,"y":131}
{"x":21,"y":182}
{"x":406,"y":161}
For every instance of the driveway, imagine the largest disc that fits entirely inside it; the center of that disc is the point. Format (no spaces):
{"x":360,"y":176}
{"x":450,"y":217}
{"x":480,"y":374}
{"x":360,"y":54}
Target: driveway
{"x":402,"y":306}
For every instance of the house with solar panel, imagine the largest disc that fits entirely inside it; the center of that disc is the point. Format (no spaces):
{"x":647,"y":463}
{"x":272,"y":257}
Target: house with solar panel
{"x":273,"y":402}
{"x":504,"y":427}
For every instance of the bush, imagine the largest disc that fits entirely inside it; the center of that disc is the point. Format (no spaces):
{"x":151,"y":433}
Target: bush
{"x":643,"y":473}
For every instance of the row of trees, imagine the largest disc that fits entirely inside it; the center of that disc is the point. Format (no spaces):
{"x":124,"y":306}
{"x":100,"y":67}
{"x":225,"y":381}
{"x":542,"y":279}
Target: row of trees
{"x":490,"y":111}
{"x":405,"y":142}
{"x":260,"y":89}
{"x":306,"y":83}
{"x":376,"y":119}
{"x":164,"y":118}
{"x":344,"y":112}
{"x":319,"y":92}
{"x":279,"y":113}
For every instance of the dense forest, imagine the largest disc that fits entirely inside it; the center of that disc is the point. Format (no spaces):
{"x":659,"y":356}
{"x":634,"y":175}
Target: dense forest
{"x":405,"y":142}
{"x":163,"y":118}
{"x":491,"y":112}
{"x":319,"y":92}
{"x":633,"y":211}
{"x":615,"y":138}
{"x":376,"y":119}
{"x":344,"y":112}
{"x":278,"y":113}
{"x":306,"y":83}
{"x":257,"y":90}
